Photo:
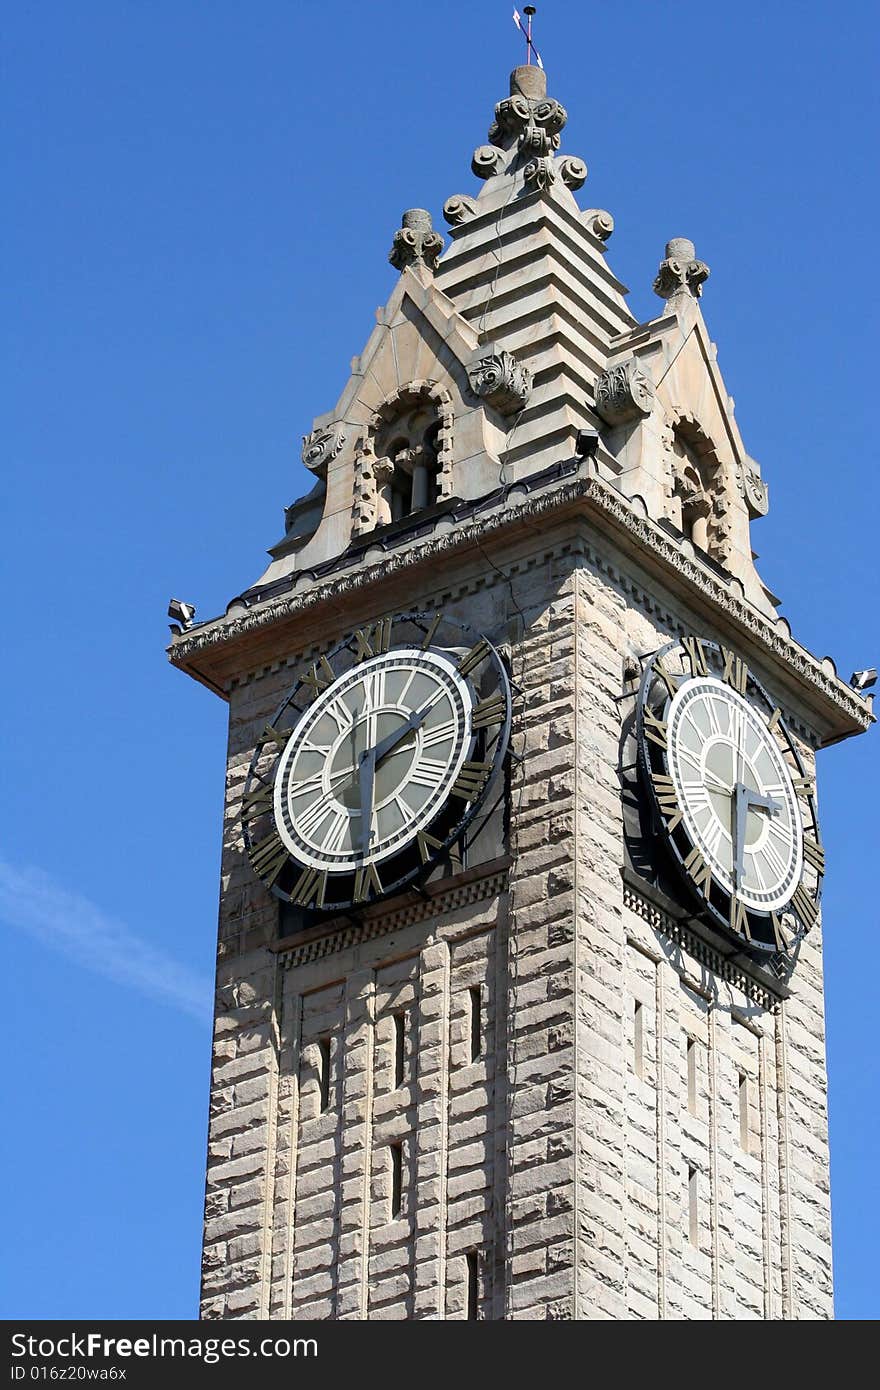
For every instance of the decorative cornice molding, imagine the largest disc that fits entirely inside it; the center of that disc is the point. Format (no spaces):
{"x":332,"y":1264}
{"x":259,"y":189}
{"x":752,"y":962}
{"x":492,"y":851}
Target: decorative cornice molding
{"x":700,"y":951}
{"x":343,"y":934}
{"x":588,"y":492}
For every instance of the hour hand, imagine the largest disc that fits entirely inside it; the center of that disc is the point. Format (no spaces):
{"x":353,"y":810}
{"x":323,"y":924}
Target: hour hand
{"x":366,"y":775}
{"x":746,"y":799}
{"x":398,"y":735}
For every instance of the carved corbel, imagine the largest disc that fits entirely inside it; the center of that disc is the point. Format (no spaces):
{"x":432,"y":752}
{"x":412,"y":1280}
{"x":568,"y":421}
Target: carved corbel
{"x":540,"y":173}
{"x":501,"y":381}
{"x":459,"y":208}
{"x":320,"y":448}
{"x":754,"y":489}
{"x":624,"y":393}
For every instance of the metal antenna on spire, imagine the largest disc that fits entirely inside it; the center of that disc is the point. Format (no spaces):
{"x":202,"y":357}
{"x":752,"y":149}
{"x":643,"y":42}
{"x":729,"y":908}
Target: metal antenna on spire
{"x":528,"y":11}
{"x":526,"y":31}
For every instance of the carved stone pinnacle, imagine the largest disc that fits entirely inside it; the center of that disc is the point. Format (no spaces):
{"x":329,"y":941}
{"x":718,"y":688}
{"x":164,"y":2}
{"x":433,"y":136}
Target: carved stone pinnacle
{"x":680,"y":272}
{"x":416,"y":243}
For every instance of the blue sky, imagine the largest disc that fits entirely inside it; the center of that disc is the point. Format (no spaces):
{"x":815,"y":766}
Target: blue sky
{"x":204,"y":198}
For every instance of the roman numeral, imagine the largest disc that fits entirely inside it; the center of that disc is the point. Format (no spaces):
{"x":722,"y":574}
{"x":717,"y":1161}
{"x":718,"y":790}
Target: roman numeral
{"x":814,"y":854}
{"x":310,"y":887}
{"x":667,"y":799}
{"x":441,"y":733}
{"x":271,"y":734}
{"x":429,"y":772}
{"x":268,"y":858}
{"x":373,"y":641}
{"x":782,"y":942}
{"x":671,"y":682}
{"x":426,"y":844}
{"x":774,"y":720}
{"x":319,"y":676}
{"x":477,"y":653}
{"x":314,"y":815}
{"x":699,"y":871}
{"x":696,"y":655}
{"x":805,"y":786}
{"x":655,"y":729}
{"x":805,"y":907}
{"x":258,"y":801}
{"x":735,"y":671}
{"x":492,"y":710}
{"x":739,"y":918}
{"x":470,"y":780}
{"x":365,"y":878}
{"x":429,"y":635}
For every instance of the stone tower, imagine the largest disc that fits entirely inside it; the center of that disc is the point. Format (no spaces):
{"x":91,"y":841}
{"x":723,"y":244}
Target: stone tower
{"x":570,"y":1062}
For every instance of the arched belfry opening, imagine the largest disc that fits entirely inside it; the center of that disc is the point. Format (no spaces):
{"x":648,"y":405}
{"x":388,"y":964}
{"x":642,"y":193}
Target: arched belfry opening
{"x":699,"y":489}
{"x":404,"y":463}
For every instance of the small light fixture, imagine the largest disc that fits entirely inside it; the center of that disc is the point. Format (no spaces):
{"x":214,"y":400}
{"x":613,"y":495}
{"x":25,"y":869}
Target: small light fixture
{"x":182,"y":613}
{"x":586,"y":444}
{"x":863,"y":680}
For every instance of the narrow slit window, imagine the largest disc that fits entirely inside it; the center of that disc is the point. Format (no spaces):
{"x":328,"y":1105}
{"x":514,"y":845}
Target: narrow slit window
{"x":399,"y":1048}
{"x":473,"y":1286}
{"x":744,"y":1111}
{"x":691,"y":1057}
{"x":395,"y":1152}
{"x":638,"y":1039}
{"x":476,"y":1023}
{"x":324,"y":1072}
{"x":693,"y":1207}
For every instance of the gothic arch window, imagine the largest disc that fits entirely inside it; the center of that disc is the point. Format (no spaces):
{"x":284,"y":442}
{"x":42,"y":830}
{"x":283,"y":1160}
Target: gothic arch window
{"x":699,"y":488}
{"x":404,"y":463}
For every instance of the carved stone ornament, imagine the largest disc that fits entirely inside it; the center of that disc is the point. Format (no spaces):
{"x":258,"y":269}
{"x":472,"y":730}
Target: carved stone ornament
{"x":754,"y":490}
{"x":572,"y":171}
{"x":459,"y":208}
{"x":540,"y":173}
{"x":501,"y":381}
{"x":416,"y":243}
{"x":599,"y":222}
{"x":534,"y":125}
{"x":681,"y":272}
{"x":486,"y":161}
{"x":624,"y":393}
{"x":320,"y":447}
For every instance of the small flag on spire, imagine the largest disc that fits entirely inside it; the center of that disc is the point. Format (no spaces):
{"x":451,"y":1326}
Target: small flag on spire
{"x":527,"y":34}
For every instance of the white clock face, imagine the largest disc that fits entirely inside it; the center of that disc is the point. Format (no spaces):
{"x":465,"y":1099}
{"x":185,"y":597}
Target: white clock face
{"x":372,"y":760}
{"x":735,"y":793}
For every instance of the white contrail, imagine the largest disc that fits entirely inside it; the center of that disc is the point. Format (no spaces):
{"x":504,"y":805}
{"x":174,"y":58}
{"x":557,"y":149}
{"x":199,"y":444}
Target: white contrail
{"x":66,"y":922}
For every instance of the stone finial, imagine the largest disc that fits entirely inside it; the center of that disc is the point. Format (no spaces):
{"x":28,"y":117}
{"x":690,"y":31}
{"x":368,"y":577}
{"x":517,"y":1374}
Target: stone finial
{"x":680,"y":272}
{"x":416,"y":243}
{"x":502,"y":381}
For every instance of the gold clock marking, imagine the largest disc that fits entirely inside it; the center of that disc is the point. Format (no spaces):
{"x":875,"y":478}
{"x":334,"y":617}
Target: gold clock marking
{"x":429,"y":635}
{"x":671,"y":682}
{"x":470,"y":780}
{"x":739,"y":918}
{"x":311,"y":886}
{"x":655,"y":729}
{"x":774,"y":720}
{"x":478,"y":652}
{"x":782,"y":943}
{"x":735,"y":671}
{"x":804,"y":906}
{"x":699,"y":871}
{"x":805,"y":785}
{"x":426,"y":844}
{"x":269,"y":857}
{"x":667,"y":800}
{"x":814,"y":854}
{"x":255,"y":803}
{"x":374,"y":640}
{"x":365,"y":878}
{"x":273,"y":735}
{"x":696,"y":655}
{"x":320,"y":676}
{"x":489,"y":711}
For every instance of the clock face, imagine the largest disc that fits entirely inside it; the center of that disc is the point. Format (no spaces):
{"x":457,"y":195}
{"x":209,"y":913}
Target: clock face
{"x":376,"y":763}
{"x":417,"y":707}
{"x":728,"y":788}
{"x":717,"y":742}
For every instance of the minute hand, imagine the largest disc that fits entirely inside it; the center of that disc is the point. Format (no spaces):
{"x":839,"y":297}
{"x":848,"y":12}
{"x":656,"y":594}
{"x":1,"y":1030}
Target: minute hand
{"x":398,"y":735}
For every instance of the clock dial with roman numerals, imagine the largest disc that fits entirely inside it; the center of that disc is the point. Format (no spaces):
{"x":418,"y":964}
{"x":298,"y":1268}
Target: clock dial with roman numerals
{"x":376,"y":763}
{"x":729,"y":791}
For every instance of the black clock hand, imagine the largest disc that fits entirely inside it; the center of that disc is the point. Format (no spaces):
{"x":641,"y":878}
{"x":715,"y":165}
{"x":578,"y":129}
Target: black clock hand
{"x":744,"y":799}
{"x":391,"y":740}
{"x":366,"y":776}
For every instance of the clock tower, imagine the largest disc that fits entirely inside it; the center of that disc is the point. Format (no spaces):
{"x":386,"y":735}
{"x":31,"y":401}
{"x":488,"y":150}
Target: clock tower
{"x":519,"y":1001}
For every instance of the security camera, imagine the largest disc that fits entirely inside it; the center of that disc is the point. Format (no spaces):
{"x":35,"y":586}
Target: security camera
{"x":863,"y":680}
{"x":586,"y":444}
{"x":182,"y":613}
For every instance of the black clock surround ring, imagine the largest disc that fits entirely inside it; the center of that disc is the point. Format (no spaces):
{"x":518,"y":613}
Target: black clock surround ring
{"x":376,"y":762}
{"x":763,"y":893}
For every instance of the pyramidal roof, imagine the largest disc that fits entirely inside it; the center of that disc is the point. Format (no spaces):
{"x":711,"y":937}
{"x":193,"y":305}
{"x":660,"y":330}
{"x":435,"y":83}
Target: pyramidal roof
{"x":507,"y":361}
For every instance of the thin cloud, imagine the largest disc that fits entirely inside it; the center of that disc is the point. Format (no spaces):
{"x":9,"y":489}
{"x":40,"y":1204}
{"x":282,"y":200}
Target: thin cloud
{"x":66,"y":922}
